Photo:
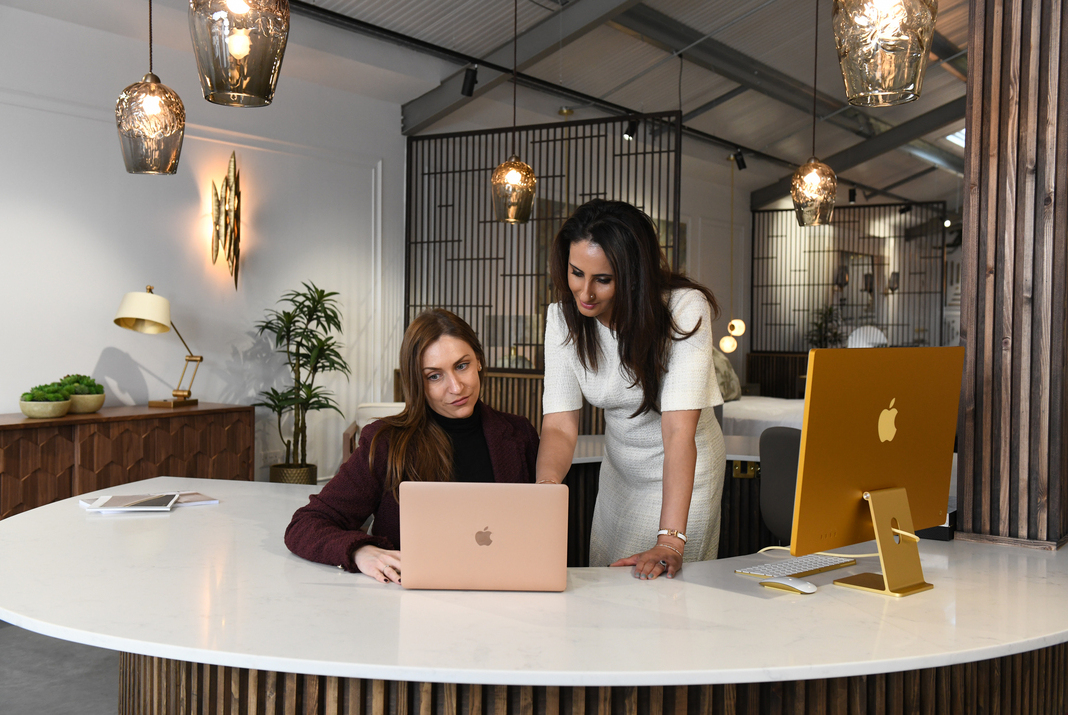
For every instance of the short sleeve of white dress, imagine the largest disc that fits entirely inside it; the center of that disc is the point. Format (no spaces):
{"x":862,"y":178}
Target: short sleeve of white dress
{"x":562,"y":390}
{"x":690,"y":382}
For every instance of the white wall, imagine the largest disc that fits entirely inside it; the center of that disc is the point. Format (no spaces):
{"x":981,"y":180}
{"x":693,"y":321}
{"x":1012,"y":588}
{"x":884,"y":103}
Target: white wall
{"x":706,"y":211}
{"x":322,"y":179}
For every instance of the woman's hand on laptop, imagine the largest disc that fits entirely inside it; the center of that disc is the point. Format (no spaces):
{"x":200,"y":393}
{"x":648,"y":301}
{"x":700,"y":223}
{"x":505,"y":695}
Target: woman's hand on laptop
{"x":380,"y":564}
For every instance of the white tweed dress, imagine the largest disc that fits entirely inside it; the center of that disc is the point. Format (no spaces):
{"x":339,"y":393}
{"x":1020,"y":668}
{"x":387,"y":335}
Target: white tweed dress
{"x":627,"y":514}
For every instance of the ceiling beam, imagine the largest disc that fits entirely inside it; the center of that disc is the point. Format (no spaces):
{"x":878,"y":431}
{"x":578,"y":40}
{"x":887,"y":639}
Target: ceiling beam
{"x":954,"y":60}
{"x":708,"y":106}
{"x":870,"y":148}
{"x":669,"y":34}
{"x":562,"y":27}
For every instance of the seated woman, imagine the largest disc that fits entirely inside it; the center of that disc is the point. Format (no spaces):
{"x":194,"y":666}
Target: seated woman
{"x":444,"y":434}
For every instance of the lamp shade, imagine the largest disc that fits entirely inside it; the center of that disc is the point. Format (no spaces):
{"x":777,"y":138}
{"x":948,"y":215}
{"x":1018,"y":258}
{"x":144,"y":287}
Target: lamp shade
{"x":813,"y":188}
{"x":239,"y":46}
{"x":883,"y":47}
{"x":151,"y":123}
{"x":512,"y":189}
{"x":144,"y":312}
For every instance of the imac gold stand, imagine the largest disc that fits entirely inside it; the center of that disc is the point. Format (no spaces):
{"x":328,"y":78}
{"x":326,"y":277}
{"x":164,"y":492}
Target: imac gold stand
{"x":899,"y":556}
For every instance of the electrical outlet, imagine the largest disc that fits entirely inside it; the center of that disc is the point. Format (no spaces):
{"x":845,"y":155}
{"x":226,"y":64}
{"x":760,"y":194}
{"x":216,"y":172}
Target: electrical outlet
{"x":272,"y":457}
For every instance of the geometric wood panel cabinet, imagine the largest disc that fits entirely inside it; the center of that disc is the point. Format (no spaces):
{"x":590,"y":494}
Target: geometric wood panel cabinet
{"x":45,"y":460}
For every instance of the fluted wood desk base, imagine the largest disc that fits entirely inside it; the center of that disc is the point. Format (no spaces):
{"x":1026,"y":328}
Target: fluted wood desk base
{"x":1033,"y":683}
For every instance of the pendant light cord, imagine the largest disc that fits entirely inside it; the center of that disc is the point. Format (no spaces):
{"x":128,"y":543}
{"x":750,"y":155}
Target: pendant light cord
{"x":515,"y":55}
{"x":732,"y":238}
{"x":150,"y":36}
{"x":815,"y":61}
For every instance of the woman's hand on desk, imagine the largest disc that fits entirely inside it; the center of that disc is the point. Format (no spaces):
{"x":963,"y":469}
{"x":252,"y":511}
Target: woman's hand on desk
{"x":655,"y":562}
{"x":380,"y":564}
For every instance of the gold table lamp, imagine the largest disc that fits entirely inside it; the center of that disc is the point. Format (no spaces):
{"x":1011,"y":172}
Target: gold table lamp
{"x":150,"y":313}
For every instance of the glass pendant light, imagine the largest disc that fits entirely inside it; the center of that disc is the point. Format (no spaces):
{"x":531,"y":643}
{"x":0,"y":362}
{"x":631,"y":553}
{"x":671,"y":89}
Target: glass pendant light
{"x":151,"y":122}
{"x":239,"y":46}
{"x":814,"y":186}
{"x":512,"y":183}
{"x":883,"y":47}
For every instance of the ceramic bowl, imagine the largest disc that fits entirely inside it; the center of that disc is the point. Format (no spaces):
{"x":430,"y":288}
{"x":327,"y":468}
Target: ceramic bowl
{"x":84,"y":404}
{"x":44,"y":410}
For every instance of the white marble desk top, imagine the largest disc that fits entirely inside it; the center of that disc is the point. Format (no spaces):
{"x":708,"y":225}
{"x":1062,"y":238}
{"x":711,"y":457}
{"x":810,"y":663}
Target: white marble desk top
{"x":215,"y":584}
{"x":590,"y":448}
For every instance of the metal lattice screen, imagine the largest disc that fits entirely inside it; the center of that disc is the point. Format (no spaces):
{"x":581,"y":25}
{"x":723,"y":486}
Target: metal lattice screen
{"x":882,"y":265}
{"x":495,"y":275}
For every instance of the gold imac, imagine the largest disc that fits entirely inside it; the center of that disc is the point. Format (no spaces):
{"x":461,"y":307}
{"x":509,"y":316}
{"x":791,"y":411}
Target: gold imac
{"x":876,"y":455}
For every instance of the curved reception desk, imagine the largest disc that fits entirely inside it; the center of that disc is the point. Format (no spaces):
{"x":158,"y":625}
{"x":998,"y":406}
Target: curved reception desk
{"x":213,"y":615}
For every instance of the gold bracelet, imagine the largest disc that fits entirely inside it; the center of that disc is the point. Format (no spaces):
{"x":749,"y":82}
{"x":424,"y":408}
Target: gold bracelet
{"x":669,"y":546}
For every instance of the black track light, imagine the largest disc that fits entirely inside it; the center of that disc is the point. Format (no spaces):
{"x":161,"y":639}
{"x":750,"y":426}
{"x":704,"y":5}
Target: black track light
{"x":470,"y":80}
{"x":905,"y":209}
{"x":739,"y":160}
{"x":631,"y":131}
{"x":853,"y":195}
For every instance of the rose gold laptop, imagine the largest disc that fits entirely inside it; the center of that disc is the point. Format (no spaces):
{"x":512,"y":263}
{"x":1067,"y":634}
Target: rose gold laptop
{"x":483,"y":537}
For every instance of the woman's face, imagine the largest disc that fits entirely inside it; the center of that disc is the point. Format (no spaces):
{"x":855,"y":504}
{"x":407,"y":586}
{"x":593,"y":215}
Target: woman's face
{"x":591,"y":281}
{"x":450,"y":377}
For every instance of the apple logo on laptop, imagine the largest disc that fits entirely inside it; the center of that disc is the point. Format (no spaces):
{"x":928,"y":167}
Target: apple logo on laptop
{"x":482,"y":538}
{"x":887,"y":428}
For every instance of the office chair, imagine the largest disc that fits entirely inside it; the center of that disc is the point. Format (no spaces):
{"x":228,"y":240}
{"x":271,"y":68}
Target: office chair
{"x":780,"y":448}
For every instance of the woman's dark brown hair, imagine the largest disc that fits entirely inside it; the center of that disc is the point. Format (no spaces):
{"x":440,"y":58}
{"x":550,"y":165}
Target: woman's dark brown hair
{"x":419,"y":449}
{"x":644,"y":281}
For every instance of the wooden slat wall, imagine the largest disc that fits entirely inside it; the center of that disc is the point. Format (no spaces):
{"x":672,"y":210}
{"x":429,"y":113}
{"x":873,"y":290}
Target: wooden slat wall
{"x":1014,"y":431}
{"x":1026,"y":684}
{"x":776,"y":373}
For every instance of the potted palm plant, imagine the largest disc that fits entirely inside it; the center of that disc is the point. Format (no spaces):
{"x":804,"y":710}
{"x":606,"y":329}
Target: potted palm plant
{"x":304,"y":331}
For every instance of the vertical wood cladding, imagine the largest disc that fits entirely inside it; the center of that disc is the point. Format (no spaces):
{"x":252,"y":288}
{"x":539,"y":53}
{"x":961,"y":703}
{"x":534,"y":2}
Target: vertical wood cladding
{"x":1014,"y":432}
{"x":47,"y":460}
{"x":1026,"y":684}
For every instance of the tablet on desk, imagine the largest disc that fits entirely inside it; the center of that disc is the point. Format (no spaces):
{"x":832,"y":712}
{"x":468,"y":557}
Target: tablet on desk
{"x":134,"y":502}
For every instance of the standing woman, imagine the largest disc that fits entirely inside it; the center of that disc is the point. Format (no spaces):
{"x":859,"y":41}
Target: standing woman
{"x":635,"y":339}
{"x":445,"y":433}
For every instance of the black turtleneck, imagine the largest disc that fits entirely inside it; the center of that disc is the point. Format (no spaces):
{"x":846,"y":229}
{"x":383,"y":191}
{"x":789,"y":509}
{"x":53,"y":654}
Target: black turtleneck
{"x":470,"y":453}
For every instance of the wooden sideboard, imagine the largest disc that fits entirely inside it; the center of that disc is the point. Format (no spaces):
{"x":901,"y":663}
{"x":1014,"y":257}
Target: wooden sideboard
{"x":45,"y":460}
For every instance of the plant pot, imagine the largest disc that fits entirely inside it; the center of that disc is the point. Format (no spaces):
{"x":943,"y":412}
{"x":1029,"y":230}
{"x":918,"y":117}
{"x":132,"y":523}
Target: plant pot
{"x":290,"y":474}
{"x":44,"y":410}
{"x":84,"y":404}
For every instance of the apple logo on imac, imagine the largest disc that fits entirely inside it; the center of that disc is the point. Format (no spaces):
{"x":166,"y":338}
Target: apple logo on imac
{"x":887,"y":428}
{"x":482,"y":538}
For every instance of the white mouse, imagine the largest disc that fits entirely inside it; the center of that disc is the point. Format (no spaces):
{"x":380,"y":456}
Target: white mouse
{"x":789,"y":583}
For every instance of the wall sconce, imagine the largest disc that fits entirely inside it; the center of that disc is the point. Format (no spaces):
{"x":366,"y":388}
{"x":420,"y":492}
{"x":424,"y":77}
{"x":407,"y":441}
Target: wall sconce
{"x":226,"y":219}
{"x":883,"y":47}
{"x":150,"y":313}
{"x":239,"y":46}
{"x":894,"y":283}
{"x":869,"y":283}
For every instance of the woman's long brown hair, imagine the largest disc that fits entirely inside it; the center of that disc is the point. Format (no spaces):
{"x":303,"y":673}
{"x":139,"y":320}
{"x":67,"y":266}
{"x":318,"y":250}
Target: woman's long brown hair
{"x":641,"y":318}
{"x":419,"y":449}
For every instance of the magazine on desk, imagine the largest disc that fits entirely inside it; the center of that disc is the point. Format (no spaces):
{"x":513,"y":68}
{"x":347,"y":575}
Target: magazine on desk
{"x":162,"y":501}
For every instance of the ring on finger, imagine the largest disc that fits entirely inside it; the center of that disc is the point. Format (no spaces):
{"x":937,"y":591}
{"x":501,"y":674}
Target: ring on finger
{"x":663,"y":563}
